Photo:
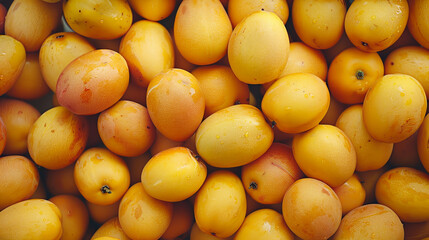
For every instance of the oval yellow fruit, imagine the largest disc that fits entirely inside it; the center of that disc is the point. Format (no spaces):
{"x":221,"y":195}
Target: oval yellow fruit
{"x":142,"y":216}
{"x":296,"y":102}
{"x":173,"y":175}
{"x":372,"y":221}
{"x":264,"y":224}
{"x":32,"y":21}
{"x":57,"y":138}
{"x":201,"y":31}
{"x":98,"y":19}
{"x":394,"y":108}
{"x":57,"y":51}
{"x":240,"y":9}
{"x":12,"y":61}
{"x":233,"y":136}
{"x":175,"y":103}
{"x":220,"y":205}
{"x":373,"y":26}
{"x":370,"y":153}
{"x":311,"y":209}
{"x":258,"y":48}
{"x":37,"y":219}
{"x":101,"y":176}
{"x":418,"y":22}
{"x":406,"y":191}
{"x":319,"y":24}
{"x":325,"y":153}
{"x":93,"y":82}
{"x":411,"y":60}
{"x":148,"y":49}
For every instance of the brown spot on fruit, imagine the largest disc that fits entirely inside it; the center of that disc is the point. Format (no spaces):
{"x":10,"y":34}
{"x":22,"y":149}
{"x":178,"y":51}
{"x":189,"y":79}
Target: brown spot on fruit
{"x":86,"y":95}
{"x":326,"y":192}
{"x":138,"y":212}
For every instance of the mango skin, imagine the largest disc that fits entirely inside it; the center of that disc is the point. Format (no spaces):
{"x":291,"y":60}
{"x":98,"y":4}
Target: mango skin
{"x":31,"y":219}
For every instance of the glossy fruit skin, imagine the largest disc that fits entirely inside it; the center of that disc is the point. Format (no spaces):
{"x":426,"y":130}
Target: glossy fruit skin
{"x":319,"y":24}
{"x":220,"y":205}
{"x":93,"y":82}
{"x":34,"y":218}
{"x":142,"y":216}
{"x":394,"y":108}
{"x":57,"y":138}
{"x":352,"y":73}
{"x":311,"y":209}
{"x":101,"y":176}
{"x":351,"y":194}
{"x":111,"y":228}
{"x":75,"y":218}
{"x":119,"y":136}
{"x":201,"y":31}
{"x":296,"y":102}
{"x":147,"y":56}
{"x":405,"y":190}
{"x":57,"y":51}
{"x":276,"y":167}
{"x":373,"y":26}
{"x":19,"y":179}
{"x":32,"y":21}
{"x":418,"y":22}
{"x":264,"y":224}
{"x":30,"y":84}
{"x":253,"y":39}
{"x":221,"y":88}
{"x":240,"y":9}
{"x":370,"y":153}
{"x":233,"y":136}
{"x":98,"y":19}
{"x":325,"y":153}
{"x":303,"y":58}
{"x":375,"y":221}
{"x":173,"y":175}
{"x":153,"y":10}
{"x":411,"y":60}
{"x":18,"y":117}
{"x":11,"y":62}
{"x":170,"y":95}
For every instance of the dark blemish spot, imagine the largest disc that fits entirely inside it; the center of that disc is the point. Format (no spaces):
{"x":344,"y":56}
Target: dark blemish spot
{"x":80,"y":11}
{"x":364,"y":44}
{"x":237,"y":102}
{"x":369,"y":140}
{"x":391,"y":63}
{"x":213,"y":234}
{"x":148,"y":127}
{"x":59,"y":36}
{"x":19,"y":112}
{"x":253,"y":185}
{"x":44,"y":125}
{"x":262,"y":9}
{"x":52,"y":131}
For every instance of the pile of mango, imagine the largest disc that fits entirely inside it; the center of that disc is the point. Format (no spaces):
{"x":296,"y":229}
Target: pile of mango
{"x":214,"y":119}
